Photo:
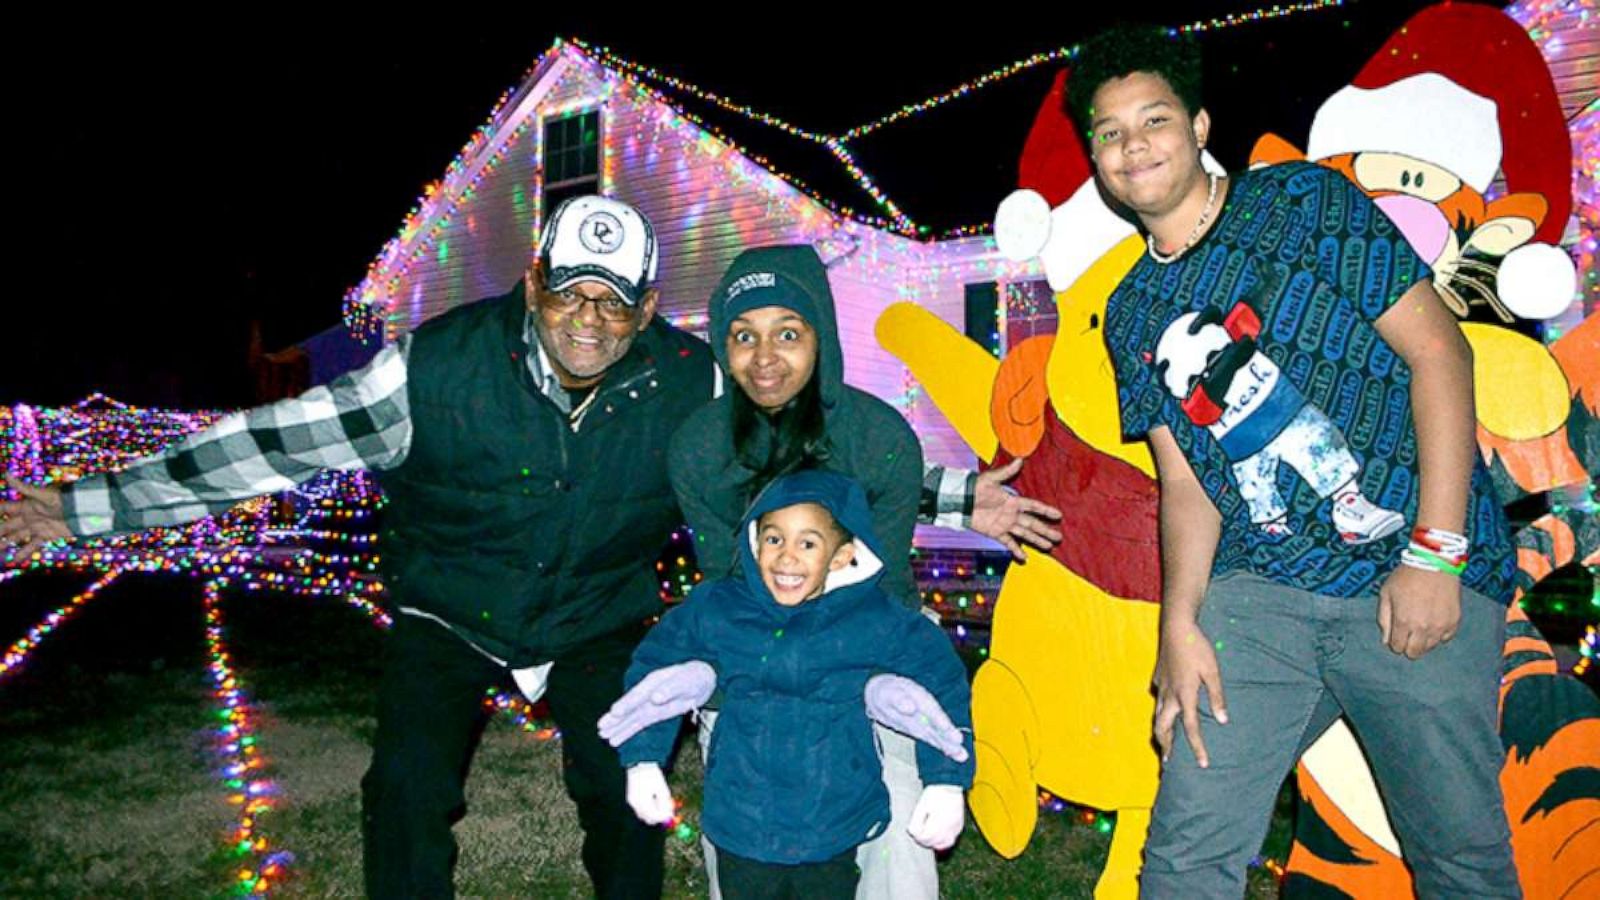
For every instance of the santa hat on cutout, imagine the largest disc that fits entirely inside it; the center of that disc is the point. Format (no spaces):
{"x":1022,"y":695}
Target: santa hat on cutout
{"x":1464,"y":87}
{"x":1057,"y":214}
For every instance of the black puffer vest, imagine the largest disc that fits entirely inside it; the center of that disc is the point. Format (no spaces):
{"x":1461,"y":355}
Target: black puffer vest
{"x":523,"y":535}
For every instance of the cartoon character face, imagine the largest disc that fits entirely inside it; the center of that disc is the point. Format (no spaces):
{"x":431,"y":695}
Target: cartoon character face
{"x":1185,"y":349}
{"x":1410,"y":191}
{"x":1448,"y":223}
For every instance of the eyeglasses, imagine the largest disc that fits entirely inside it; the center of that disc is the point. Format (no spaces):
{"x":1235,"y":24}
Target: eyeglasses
{"x":611,"y":308}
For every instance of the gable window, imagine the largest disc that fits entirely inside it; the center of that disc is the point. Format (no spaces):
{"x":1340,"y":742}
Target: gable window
{"x":1002,"y":315}
{"x":982,"y":307}
{"x":571,"y":157}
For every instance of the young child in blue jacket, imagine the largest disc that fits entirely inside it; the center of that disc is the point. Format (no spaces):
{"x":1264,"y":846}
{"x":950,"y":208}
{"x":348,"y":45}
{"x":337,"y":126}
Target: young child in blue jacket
{"x":793,"y":783}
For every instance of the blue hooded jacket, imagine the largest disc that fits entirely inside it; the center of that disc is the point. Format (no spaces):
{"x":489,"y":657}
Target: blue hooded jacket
{"x":794,"y":773}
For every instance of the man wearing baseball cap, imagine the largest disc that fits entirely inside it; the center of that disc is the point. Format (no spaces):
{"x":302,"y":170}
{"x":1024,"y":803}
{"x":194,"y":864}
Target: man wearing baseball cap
{"x":521,"y":441}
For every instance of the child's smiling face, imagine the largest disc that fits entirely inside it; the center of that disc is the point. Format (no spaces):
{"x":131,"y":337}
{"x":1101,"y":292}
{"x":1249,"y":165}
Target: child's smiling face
{"x":796,"y":547}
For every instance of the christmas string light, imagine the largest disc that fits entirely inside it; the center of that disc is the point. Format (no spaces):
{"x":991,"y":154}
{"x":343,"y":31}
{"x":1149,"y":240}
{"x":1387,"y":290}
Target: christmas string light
{"x":1063,"y":54}
{"x":613,"y":61}
{"x":676,"y":584}
{"x":21,"y":430}
{"x":245,"y":541}
{"x":19,"y":651}
{"x":1059,"y":54}
{"x":367,"y":307}
{"x":902,"y":223}
{"x":243,"y":767}
{"x":96,"y":434}
{"x":1256,"y":15}
{"x":519,"y":712}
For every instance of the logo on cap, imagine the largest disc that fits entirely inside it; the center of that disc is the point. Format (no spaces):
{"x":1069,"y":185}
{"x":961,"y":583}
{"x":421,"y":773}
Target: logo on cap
{"x":751,"y":282}
{"x":601,"y":233}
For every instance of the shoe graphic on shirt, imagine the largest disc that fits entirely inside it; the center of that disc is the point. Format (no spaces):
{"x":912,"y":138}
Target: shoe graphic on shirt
{"x":1360,"y":521}
{"x":1277,"y":528}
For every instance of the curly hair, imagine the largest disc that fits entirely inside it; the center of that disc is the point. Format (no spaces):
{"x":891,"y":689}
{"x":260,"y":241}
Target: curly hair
{"x":1121,"y":50}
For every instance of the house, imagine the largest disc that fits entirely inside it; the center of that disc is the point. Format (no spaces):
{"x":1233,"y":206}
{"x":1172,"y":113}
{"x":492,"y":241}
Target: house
{"x":577,"y":125}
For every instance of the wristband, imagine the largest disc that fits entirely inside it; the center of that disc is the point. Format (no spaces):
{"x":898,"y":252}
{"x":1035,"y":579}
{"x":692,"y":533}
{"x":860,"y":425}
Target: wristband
{"x":1445,"y":543}
{"x":1431,"y":562}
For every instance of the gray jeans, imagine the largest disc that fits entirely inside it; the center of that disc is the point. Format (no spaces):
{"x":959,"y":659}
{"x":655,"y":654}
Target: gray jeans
{"x":1291,"y":663}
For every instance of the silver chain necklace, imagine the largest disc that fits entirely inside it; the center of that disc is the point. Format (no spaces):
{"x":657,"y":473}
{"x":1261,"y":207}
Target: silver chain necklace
{"x":1199,"y":226}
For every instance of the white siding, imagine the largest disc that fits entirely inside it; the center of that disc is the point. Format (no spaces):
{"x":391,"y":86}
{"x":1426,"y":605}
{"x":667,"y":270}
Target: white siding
{"x":707,"y":203}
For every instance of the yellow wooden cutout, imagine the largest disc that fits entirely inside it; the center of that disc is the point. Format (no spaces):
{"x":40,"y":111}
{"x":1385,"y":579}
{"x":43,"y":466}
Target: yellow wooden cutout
{"x":1063,"y":703}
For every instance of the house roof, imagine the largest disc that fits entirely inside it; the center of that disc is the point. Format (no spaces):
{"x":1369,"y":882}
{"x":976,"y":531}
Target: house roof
{"x":942,"y":168}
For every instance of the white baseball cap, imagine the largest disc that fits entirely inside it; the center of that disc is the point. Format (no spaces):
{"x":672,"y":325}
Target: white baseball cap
{"x":595,"y":238}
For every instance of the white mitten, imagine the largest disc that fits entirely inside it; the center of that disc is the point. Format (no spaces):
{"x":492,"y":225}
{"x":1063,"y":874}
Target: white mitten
{"x":648,"y":794}
{"x":937,"y":821}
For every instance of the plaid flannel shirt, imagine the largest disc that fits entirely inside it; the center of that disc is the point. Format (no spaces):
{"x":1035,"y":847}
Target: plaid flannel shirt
{"x":361,"y":419}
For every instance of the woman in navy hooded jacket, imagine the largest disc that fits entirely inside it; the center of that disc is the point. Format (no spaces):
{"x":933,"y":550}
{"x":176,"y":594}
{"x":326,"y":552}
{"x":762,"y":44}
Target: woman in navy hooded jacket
{"x":773,"y":329}
{"x":793,"y":775}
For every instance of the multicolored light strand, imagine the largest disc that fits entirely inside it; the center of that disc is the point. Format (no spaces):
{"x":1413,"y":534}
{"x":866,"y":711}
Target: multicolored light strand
{"x":244,"y":769}
{"x":1062,"y":54}
{"x":367,"y":309}
{"x":901,"y":222}
{"x":261,"y":544}
{"x":19,"y":651}
{"x":96,"y":434}
{"x":683,"y":575}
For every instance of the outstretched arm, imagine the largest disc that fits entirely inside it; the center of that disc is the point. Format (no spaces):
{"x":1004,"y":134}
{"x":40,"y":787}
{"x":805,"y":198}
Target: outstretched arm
{"x":361,"y":419}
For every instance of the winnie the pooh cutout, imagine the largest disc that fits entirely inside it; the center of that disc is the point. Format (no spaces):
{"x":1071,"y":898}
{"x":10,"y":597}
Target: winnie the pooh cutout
{"x":1459,"y":94}
{"x":1063,"y":701}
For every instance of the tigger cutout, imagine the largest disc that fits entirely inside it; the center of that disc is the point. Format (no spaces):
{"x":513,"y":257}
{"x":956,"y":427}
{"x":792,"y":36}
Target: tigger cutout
{"x":1425,"y":148}
{"x":1457,"y":95}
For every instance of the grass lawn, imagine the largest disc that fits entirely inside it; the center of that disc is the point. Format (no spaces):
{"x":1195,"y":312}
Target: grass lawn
{"x":110,"y":786}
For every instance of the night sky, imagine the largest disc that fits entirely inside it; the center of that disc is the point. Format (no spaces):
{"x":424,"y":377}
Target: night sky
{"x":176,"y":178}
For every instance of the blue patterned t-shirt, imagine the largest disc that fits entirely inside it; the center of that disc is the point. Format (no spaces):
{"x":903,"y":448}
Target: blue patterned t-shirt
{"x":1257,"y":350}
